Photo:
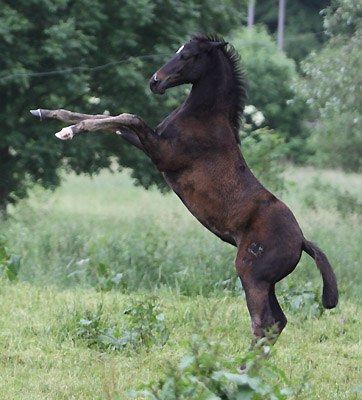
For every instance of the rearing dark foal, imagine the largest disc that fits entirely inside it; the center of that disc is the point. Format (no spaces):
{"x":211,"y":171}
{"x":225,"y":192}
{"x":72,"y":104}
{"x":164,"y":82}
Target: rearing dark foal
{"x":197,"y":150}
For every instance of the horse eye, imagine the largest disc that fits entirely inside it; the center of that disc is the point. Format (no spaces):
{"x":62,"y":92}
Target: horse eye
{"x":184,"y":57}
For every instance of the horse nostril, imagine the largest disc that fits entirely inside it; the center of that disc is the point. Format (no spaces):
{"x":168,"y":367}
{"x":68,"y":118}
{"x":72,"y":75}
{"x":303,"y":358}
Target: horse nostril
{"x":157,"y":84}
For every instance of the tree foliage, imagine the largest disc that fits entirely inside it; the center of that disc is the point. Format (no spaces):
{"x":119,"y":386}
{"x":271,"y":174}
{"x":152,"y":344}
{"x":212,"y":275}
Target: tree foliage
{"x":333,"y":87}
{"x":270,"y":75}
{"x":58,"y":35}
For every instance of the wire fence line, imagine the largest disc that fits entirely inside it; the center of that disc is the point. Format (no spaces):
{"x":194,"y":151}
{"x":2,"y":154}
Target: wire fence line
{"x":129,"y":60}
{"x":82,"y":69}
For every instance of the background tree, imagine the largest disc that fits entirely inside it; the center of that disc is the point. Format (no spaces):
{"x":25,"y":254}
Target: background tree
{"x":333,"y":88}
{"x":303,"y":29}
{"x":57,"y":35}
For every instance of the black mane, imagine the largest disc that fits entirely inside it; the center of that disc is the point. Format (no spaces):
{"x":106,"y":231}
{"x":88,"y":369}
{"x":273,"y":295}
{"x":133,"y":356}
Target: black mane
{"x":240,"y":93}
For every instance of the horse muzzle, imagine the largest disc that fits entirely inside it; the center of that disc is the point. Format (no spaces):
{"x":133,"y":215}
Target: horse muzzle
{"x":157,"y":85}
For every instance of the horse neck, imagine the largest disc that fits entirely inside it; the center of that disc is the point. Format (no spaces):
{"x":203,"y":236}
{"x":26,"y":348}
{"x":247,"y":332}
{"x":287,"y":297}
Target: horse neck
{"x":213,"y":92}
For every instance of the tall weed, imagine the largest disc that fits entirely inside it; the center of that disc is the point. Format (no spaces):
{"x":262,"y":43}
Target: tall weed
{"x":303,"y":299}
{"x":142,"y":324}
{"x":265,"y":153}
{"x":145,"y":326}
{"x":9,"y":262}
{"x":205,"y":372}
{"x":325,"y":195}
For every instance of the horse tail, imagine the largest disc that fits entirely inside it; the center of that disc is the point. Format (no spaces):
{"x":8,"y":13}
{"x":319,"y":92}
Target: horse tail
{"x":330,"y":291}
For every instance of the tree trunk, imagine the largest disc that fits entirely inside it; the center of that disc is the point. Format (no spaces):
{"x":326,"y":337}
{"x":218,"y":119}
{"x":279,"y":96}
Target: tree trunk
{"x":251,"y":12}
{"x":281,"y":24}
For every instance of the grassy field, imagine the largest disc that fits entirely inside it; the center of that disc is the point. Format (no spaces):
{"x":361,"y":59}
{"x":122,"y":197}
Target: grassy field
{"x":97,"y":247}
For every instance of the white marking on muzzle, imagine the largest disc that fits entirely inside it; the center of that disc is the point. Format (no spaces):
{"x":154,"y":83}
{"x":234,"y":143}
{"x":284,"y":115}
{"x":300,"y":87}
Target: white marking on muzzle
{"x":155,"y":77}
{"x":180,"y":49}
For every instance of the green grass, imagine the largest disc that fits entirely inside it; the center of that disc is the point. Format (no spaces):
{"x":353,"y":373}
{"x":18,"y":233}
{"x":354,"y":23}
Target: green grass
{"x":93,"y":229}
{"x":41,"y":359}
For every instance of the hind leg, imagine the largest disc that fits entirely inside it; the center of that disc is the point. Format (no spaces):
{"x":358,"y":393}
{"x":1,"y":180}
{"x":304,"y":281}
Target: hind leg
{"x":279,"y":317}
{"x":259,"y":306}
{"x":260,"y":310}
{"x":254,"y":271}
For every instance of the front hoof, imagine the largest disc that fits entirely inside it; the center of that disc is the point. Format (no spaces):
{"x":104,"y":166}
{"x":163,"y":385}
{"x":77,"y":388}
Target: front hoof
{"x":65,"y":133}
{"x":36,"y":113}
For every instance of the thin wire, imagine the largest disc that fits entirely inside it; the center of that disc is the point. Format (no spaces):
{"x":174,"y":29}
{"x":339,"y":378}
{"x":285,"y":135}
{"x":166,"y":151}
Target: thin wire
{"x":129,"y":60}
{"x":82,"y":69}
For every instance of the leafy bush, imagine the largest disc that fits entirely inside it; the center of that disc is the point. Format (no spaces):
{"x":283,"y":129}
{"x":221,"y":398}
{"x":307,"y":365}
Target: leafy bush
{"x":100,"y":274}
{"x":143,"y":324}
{"x":338,"y":141}
{"x":145,"y":327}
{"x":332,"y":86}
{"x":89,"y":325}
{"x":324,"y":195}
{"x":304,"y":300}
{"x":270,"y":75}
{"x":79,"y":325}
{"x":203,"y":373}
{"x":9,"y":262}
{"x":264,"y":151}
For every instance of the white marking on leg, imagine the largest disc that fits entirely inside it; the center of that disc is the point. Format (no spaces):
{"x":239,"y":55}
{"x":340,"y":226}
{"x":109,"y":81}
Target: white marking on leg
{"x":65,"y":133}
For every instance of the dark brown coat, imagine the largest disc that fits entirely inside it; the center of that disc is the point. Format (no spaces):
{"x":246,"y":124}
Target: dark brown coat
{"x":196,"y":148}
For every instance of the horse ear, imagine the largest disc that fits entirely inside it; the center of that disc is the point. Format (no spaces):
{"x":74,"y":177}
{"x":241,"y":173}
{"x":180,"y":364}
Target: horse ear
{"x":216,"y":45}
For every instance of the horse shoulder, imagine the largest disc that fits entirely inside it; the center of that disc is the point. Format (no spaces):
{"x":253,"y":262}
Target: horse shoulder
{"x":167,"y":128}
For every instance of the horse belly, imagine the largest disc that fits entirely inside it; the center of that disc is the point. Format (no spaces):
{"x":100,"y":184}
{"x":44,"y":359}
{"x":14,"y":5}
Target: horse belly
{"x":207,"y":201}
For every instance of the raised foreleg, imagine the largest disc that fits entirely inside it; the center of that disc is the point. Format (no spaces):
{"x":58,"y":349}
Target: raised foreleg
{"x":130,"y":127}
{"x":72,"y":117}
{"x":64,"y":115}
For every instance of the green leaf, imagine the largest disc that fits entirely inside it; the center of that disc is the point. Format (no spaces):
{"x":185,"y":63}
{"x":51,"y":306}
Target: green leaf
{"x":118,"y":279}
{"x":85,"y":322}
{"x":102,"y":269}
{"x":160,"y":317}
{"x":186,"y":361}
{"x":244,"y":393}
{"x":287,"y":391}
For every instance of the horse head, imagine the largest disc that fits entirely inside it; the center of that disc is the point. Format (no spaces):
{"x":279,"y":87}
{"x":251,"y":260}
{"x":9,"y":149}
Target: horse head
{"x":186,"y":66}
